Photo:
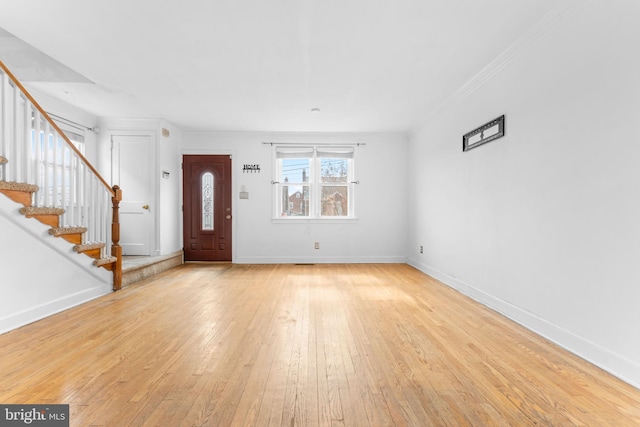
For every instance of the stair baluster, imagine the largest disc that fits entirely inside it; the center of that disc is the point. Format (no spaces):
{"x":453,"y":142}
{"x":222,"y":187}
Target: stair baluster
{"x":36,"y":157}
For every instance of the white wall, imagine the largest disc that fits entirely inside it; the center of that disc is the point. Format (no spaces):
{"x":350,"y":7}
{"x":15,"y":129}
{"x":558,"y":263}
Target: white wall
{"x":170,"y":191}
{"x":39,"y":279}
{"x":543,"y":223}
{"x":379,"y":233}
{"x":167,"y":234}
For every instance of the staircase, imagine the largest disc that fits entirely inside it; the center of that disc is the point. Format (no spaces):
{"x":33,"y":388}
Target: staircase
{"x":23,"y":193}
{"x":42,"y":170}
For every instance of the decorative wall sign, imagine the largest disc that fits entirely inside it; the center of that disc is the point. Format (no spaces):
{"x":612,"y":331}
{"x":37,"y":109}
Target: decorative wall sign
{"x":485,"y":133}
{"x":251,"y":169}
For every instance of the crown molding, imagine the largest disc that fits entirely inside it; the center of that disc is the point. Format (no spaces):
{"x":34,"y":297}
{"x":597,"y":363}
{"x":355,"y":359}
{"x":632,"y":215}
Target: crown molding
{"x":550,"y":20}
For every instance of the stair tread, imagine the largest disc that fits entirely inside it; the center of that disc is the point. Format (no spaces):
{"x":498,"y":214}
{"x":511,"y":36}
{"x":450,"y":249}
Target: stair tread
{"x":18,"y":186}
{"x":40,"y":210}
{"x":105,"y":261}
{"x":88,"y":246}
{"x":59,"y":231}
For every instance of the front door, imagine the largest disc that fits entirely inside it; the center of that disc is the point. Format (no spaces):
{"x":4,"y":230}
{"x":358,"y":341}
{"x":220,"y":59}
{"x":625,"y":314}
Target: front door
{"x":131,"y":156}
{"x":207,"y":207}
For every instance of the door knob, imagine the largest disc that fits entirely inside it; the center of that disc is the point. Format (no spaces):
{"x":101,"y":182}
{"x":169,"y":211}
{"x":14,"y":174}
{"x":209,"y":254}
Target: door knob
{"x":145,"y":207}
{"x":228,"y":216}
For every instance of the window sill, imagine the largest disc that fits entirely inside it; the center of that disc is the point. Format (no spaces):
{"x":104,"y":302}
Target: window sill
{"x":303,"y":220}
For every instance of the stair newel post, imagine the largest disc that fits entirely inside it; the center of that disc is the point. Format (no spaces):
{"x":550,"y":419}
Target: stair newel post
{"x":116,"y":249}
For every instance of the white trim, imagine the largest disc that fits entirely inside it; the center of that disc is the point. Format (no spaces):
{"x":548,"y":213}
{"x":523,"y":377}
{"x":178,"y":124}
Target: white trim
{"x":314,"y":183}
{"x":619,"y":366}
{"x":310,"y":220}
{"x":234,"y":190}
{"x":154,"y":198}
{"x":321,"y":260}
{"x":34,"y":314}
{"x":317,"y":144}
{"x":550,"y":20}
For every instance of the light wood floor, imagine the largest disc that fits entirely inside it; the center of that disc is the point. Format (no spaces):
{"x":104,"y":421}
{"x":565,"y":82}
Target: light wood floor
{"x":237,"y":345}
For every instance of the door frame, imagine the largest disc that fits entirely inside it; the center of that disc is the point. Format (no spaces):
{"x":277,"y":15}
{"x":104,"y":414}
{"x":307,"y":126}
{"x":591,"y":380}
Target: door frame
{"x":154,"y":237}
{"x":234,"y":180}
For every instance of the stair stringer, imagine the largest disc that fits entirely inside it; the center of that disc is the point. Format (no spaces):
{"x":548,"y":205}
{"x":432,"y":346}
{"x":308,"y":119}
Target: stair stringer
{"x":41,"y":275}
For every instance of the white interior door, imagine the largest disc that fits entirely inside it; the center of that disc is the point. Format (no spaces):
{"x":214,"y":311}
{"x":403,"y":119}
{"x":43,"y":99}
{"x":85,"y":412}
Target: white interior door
{"x":132,"y":159}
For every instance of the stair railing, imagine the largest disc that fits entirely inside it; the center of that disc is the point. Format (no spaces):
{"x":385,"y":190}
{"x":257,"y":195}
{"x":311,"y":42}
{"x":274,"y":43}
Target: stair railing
{"x":40,"y":153}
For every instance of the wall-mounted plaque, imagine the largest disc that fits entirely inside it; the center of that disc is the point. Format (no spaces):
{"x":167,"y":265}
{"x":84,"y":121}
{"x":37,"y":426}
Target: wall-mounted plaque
{"x":251,"y":168}
{"x":485,"y":133}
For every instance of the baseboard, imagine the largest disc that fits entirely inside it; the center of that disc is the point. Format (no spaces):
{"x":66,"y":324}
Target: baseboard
{"x":617,"y":365}
{"x":50,"y":308}
{"x":322,"y":260}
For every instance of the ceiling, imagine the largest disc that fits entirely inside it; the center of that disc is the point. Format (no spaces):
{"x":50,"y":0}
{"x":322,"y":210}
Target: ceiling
{"x":260,"y":65}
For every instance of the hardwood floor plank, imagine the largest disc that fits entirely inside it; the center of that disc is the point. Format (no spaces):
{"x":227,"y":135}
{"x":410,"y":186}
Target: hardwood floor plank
{"x":302,"y":345}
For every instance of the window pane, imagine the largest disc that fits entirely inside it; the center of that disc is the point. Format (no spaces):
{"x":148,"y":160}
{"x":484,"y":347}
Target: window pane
{"x":295,"y":170}
{"x":335,"y":200}
{"x":207,"y":201}
{"x":314,"y":181}
{"x":295,"y":200}
{"x":334,"y":170}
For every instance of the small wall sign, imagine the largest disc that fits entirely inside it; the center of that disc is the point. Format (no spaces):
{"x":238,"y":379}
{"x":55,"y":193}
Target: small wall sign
{"x":251,"y":169}
{"x":485,"y":133}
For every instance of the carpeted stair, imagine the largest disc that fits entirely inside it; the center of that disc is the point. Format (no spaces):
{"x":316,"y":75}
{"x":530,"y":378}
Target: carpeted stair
{"x":23,"y":193}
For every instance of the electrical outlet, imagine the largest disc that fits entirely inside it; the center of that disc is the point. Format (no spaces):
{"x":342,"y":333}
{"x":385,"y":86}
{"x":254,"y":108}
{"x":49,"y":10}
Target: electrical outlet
{"x":317,"y":245}
{"x":421,"y":249}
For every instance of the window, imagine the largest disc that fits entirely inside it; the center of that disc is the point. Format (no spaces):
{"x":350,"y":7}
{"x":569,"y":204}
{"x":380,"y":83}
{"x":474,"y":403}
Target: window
{"x":207,"y":201}
{"x":314,"y":182}
{"x":55,"y":162}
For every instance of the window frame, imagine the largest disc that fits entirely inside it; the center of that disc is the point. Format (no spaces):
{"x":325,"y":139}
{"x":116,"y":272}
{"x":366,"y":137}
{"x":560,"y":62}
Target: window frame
{"x":314,"y":181}
{"x":57,"y":168}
